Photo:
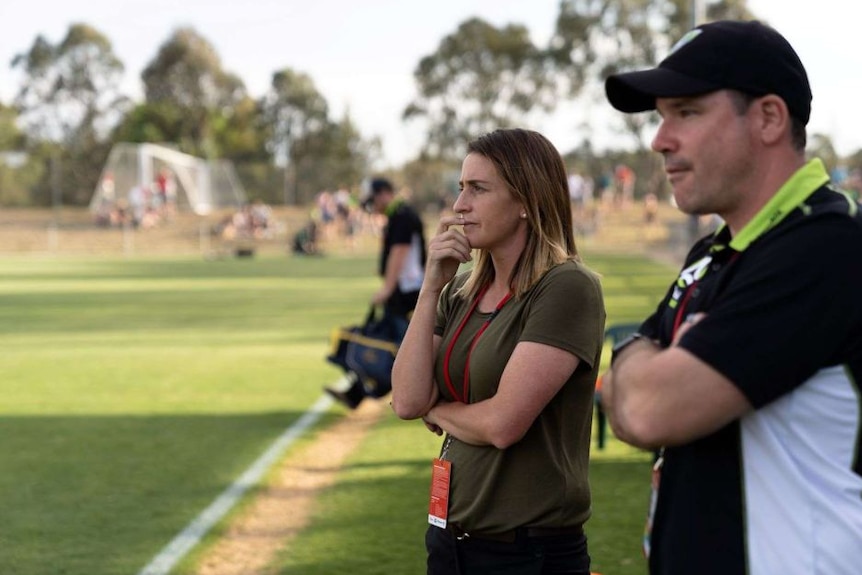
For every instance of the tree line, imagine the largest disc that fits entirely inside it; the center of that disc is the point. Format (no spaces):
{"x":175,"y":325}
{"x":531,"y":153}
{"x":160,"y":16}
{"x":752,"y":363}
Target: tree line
{"x":69,"y":110}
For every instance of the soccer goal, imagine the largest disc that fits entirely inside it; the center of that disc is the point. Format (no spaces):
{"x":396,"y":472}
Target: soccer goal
{"x":137,"y":174}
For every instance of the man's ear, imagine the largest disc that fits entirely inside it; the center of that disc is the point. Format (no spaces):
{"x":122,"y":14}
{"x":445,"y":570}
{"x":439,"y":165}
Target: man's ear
{"x":774,"y":118}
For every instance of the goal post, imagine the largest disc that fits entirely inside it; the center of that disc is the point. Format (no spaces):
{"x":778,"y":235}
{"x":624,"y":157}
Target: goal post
{"x":192,"y":183}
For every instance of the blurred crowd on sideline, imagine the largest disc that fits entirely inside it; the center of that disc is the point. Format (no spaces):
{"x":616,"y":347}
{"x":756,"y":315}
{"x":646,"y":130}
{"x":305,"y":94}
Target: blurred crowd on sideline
{"x":145,"y":206}
{"x":337,"y":218}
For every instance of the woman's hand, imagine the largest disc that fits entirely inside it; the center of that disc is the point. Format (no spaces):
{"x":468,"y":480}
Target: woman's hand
{"x":428,"y":419}
{"x":446,"y":251}
{"x":432,"y":427}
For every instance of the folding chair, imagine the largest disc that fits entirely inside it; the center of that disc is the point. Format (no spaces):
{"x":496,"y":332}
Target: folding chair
{"x":613,"y":335}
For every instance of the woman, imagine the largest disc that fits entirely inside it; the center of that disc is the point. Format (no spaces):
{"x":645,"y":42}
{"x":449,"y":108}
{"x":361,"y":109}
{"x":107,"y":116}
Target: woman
{"x":503,"y":359}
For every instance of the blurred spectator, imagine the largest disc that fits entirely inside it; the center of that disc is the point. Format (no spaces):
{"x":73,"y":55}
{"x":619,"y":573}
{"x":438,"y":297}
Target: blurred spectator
{"x":305,"y":240}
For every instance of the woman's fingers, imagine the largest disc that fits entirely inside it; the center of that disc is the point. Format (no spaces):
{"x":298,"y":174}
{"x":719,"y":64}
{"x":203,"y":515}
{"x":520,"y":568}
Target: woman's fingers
{"x":432,"y":427}
{"x":447,"y":222}
{"x":446,"y":251}
{"x":450,"y":249}
{"x":450,"y":243}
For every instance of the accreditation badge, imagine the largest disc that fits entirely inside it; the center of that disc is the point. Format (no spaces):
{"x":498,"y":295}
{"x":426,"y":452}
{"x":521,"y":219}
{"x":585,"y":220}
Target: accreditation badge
{"x":438,"y":507}
{"x":653,"y":500}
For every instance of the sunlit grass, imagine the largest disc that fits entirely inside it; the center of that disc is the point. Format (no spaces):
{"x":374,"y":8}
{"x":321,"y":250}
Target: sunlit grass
{"x":372,"y":522}
{"x":134,"y":391}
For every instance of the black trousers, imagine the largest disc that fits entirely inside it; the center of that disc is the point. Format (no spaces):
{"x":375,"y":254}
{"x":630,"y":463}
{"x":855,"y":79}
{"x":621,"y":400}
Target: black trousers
{"x":550,"y":555}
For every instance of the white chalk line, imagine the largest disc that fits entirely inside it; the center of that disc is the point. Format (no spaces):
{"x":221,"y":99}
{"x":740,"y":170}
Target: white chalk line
{"x":186,"y":540}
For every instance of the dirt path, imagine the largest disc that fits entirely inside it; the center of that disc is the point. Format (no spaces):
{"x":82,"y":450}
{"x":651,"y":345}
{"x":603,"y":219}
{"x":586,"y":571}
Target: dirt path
{"x":282,"y":509}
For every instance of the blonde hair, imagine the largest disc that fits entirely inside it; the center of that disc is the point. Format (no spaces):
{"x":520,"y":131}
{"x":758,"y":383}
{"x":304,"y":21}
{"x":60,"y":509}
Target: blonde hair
{"x":535,"y":175}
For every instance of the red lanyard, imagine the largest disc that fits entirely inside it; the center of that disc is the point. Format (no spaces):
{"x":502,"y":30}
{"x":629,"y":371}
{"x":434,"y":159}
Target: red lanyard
{"x":677,"y":321}
{"x":448,"y":357}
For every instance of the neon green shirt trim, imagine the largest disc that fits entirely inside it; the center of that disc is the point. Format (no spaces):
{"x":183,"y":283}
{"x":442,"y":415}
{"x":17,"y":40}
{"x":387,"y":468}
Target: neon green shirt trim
{"x":393,"y":206}
{"x":791,"y":195}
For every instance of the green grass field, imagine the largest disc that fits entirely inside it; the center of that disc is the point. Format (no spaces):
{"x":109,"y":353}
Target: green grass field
{"x":134,"y":391}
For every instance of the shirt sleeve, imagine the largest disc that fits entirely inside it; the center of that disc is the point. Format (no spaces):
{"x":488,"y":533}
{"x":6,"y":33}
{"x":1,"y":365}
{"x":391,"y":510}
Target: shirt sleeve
{"x":566,"y":310}
{"x":400,"y":228}
{"x":792,"y":308}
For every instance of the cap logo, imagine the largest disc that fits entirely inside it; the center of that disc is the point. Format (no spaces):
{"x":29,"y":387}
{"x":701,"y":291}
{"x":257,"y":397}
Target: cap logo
{"x":691,"y":35}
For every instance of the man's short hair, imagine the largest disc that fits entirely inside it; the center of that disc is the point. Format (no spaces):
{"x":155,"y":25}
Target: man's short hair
{"x":381,"y":185}
{"x":375,"y":186}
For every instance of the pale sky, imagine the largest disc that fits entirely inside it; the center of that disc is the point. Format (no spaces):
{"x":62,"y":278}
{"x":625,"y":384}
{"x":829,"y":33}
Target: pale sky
{"x":362,"y":54}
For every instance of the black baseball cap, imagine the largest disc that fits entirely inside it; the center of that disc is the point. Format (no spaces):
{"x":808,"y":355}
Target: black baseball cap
{"x":376,"y":186}
{"x":750,"y":57}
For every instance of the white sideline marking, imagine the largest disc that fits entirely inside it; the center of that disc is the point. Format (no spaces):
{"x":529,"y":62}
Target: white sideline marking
{"x":174,"y":551}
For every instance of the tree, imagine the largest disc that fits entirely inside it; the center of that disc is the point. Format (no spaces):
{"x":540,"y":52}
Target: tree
{"x":335,"y":156}
{"x":434,"y":182}
{"x":854,"y":160}
{"x":820,"y":146}
{"x":70,"y":97}
{"x":71,"y":87}
{"x":18,"y":171}
{"x":596,"y":38}
{"x":479,"y":79}
{"x":11,"y":137}
{"x":238,"y":134}
{"x":187,"y":72}
{"x":187,"y":83}
{"x":151,"y":122}
{"x":729,"y":10}
{"x":292,"y":110}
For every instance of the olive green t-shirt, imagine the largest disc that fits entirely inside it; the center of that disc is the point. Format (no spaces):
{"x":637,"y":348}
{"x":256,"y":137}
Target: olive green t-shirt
{"x":541,"y":481}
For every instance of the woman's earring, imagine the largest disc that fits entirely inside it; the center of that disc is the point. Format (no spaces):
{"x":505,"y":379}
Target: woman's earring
{"x":523,"y":216}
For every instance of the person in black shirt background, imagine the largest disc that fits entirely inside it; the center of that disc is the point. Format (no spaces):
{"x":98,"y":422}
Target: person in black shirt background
{"x":402,"y":267}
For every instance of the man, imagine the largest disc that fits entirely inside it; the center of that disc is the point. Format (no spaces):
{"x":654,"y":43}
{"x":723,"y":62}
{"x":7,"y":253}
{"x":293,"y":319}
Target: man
{"x":402,"y":258}
{"x":746,"y":378}
{"x":402,"y":266}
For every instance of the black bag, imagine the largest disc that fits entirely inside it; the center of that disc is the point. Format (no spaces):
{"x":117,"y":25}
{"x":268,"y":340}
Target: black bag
{"x":369,"y":350}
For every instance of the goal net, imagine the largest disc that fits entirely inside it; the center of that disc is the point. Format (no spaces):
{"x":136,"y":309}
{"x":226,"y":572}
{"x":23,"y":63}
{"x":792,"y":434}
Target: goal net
{"x":135,"y":172}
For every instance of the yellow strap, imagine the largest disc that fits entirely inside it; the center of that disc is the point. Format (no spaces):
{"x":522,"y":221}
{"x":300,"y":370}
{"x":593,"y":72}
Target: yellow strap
{"x":344,"y":335}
